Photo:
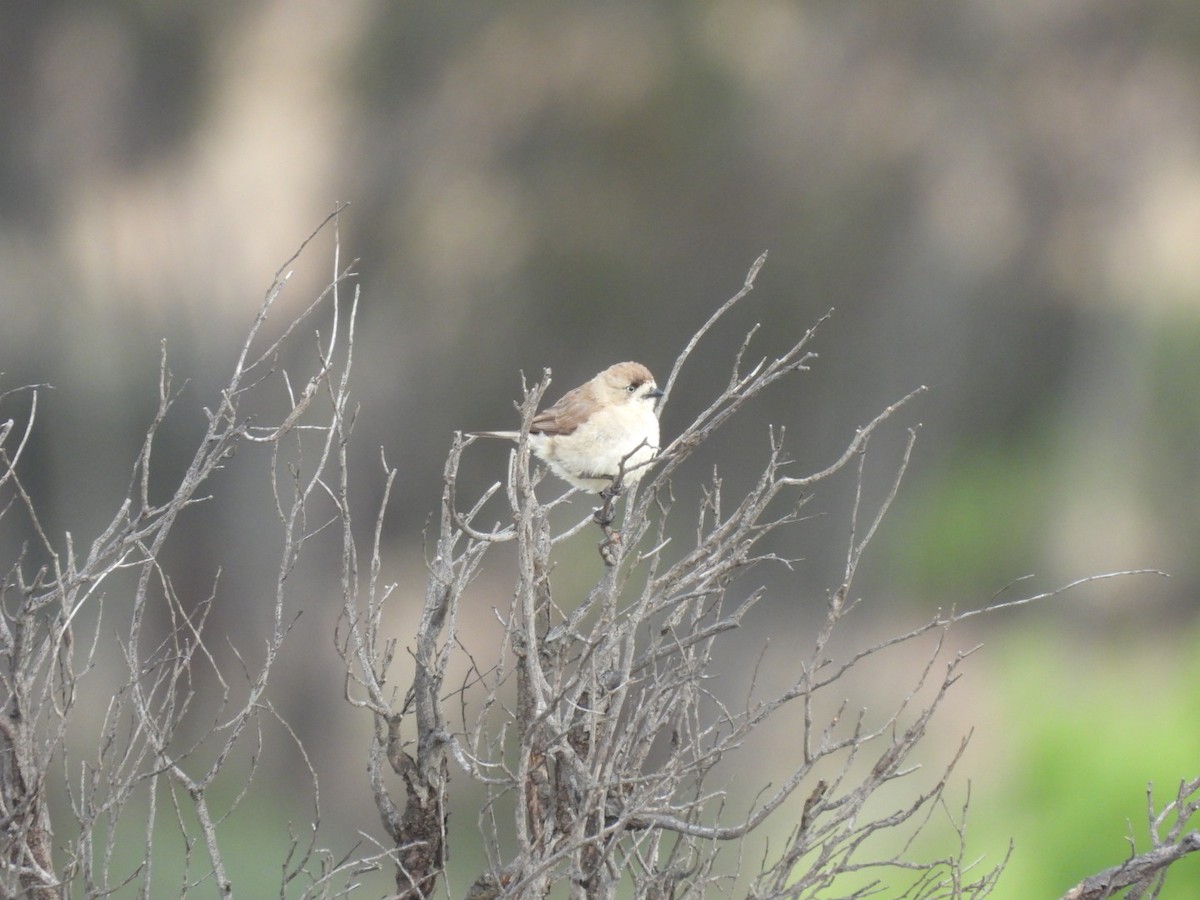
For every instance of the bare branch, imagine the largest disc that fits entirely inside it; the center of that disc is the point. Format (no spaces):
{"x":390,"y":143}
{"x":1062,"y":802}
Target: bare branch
{"x":138,"y":753}
{"x":1143,"y":874}
{"x":597,"y":724}
{"x":611,"y":745}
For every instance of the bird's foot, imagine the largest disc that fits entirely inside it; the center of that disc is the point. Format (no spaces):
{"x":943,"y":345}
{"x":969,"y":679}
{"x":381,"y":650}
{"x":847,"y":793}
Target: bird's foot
{"x":604,"y":516}
{"x":612,"y":492}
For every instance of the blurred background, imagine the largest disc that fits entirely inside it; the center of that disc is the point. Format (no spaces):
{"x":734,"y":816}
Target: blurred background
{"x":1000,"y":201}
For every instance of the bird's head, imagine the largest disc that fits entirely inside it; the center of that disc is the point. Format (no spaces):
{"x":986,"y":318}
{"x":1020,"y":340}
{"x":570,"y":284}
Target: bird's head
{"x":628,"y":383}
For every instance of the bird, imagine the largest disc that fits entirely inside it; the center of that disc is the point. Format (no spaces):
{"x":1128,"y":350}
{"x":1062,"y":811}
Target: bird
{"x":606,"y":427}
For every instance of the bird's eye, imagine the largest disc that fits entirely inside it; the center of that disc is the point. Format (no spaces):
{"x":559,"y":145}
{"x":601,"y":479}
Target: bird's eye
{"x":632,"y":388}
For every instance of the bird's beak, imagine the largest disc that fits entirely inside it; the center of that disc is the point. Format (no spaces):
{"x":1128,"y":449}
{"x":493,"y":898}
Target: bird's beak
{"x":655,"y":394}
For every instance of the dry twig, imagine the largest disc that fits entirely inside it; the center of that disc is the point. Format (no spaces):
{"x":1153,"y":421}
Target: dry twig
{"x":596,"y":728}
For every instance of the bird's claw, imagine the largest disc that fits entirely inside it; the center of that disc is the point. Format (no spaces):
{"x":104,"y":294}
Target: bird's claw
{"x":604,"y":515}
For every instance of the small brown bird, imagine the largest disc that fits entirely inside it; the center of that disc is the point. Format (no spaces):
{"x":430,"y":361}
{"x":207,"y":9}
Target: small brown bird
{"x":592,"y":430}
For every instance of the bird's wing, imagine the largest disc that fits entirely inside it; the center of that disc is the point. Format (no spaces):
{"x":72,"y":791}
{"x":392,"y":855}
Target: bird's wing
{"x":567,"y":414}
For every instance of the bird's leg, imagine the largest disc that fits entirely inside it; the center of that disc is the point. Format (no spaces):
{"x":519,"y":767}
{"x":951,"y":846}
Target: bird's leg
{"x":605,"y":515}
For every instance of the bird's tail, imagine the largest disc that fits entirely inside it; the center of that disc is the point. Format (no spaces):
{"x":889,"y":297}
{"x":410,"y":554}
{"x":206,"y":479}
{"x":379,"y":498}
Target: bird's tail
{"x":503,"y":435}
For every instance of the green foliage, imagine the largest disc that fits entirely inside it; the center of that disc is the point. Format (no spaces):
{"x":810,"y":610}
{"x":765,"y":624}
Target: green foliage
{"x":1083,"y":727}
